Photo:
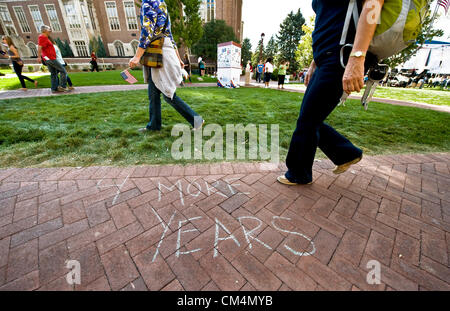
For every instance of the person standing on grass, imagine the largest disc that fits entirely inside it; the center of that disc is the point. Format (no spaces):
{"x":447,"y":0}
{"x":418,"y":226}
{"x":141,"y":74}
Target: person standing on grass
{"x":326,"y":81}
{"x":62,"y":62}
{"x":17,"y":62}
{"x":94,"y":62}
{"x":47,"y":55}
{"x":268,"y":70}
{"x":187,"y":66}
{"x":282,"y":74}
{"x":155,"y":21}
{"x":259,"y":71}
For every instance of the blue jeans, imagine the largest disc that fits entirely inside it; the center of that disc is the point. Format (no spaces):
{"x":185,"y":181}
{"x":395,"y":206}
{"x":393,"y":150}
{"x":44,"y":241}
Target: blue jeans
{"x":321,"y":97}
{"x":154,"y":96}
{"x":55,"y":67}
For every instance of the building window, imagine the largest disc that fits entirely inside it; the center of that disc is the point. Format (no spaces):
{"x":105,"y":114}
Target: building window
{"x":32,"y":48}
{"x":20,"y":14}
{"x":134,"y":45}
{"x":119,"y":48}
{"x":53,"y":17}
{"x":37,"y":18}
{"x":73,"y":19}
{"x":91,"y":15}
{"x":81,"y":48}
{"x":7,"y":21}
{"x":210,"y":10}
{"x":130,"y":14}
{"x":84,"y":12}
{"x":113,"y":18}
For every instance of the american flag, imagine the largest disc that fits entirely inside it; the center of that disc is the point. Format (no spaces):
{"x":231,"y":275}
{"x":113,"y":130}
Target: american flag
{"x":445,"y":4}
{"x":127,"y":76}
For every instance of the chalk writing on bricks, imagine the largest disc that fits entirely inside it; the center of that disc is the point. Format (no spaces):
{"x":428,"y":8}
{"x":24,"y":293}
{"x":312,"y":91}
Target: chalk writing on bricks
{"x":222,"y":233}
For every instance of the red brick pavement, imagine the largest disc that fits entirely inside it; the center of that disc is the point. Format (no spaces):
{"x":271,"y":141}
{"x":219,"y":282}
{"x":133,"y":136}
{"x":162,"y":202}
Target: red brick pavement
{"x":227,"y":227}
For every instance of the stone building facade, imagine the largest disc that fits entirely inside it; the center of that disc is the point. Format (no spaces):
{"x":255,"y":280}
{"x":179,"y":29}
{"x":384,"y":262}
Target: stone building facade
{"x":116,"y":22}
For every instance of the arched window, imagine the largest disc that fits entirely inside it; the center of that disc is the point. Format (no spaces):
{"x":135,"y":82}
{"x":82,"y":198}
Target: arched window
{"x":119,"y":48}
{"x":134,"y":45}
{"x":32,"y":48}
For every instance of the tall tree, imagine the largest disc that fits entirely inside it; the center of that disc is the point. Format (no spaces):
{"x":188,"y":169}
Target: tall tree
{"x":61,"y":47}
{"x":214,"y":32}
{"x":304,"y":54}
{"x":427,"y":33}
{"x":271,"y":48}
{"x":246,"y":51}
{"x":101,"y":52}
{"x":289,"y":37}
{"x":67,"y":49}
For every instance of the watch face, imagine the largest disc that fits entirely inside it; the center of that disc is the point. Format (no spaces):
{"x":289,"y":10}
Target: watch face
{"x":358,"y":54}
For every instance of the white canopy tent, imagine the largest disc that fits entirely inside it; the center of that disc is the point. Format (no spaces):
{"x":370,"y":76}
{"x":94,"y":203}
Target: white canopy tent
{"x":434,"y":56}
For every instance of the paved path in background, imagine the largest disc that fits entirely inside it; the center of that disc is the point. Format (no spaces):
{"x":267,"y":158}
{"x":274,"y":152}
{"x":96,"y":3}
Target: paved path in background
{"x":227,"y":226}
{"x":111,"y":88}
{"x":85,"y":90}
{"x":301,"y":89}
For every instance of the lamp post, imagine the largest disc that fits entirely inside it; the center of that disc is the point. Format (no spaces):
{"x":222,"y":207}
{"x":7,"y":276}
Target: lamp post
{"x":261,"y":46}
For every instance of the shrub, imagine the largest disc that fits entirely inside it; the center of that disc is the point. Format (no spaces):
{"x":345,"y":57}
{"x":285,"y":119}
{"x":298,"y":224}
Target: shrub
{"x":30,"y":68}
{"x":44,"y":68}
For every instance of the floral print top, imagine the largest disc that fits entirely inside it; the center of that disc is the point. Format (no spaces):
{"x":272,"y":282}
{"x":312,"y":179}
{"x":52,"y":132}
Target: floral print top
{"x":154,"y":16}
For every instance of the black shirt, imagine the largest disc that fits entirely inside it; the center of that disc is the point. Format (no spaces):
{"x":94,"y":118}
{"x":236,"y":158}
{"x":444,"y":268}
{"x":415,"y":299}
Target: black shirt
{"x":330,"y":19}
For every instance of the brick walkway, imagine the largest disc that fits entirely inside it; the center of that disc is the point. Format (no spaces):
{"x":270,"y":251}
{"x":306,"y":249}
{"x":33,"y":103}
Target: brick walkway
{"x":227,"y":227}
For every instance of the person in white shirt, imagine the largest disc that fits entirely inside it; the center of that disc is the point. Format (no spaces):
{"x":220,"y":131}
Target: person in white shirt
{"x":268,"y":70}
{"x":62,"y":62}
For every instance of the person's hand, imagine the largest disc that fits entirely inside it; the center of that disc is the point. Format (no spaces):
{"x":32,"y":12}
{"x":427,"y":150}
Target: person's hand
{"x":39,"y":59}
{"x":181,"y":64}
{"x":134,"y":62}
{"x":310,"y":72}
{"x":353,"y":80}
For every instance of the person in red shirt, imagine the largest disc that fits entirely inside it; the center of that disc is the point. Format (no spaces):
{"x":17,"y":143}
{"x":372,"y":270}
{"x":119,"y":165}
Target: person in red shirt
{"x":94,"y":62}
{"x":47,"y":55}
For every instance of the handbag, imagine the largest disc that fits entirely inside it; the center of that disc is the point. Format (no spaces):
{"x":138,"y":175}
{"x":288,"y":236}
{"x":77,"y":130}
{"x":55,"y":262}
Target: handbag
{"x":153,"y":55}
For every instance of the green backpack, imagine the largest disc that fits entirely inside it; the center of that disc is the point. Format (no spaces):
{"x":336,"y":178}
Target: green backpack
{"x":399,"y":25}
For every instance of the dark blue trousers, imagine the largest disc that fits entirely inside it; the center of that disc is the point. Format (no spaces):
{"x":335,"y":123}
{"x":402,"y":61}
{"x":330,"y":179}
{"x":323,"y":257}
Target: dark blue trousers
{"x":321,"y":97}
{"x":154,"y":96}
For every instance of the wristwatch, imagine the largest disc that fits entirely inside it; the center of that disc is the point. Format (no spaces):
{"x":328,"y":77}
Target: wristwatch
{"x":358,"y":54}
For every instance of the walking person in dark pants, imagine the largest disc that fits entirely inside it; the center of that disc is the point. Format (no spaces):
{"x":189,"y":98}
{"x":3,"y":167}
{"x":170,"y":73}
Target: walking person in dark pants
{"x":165,"y":79}
{"x":17,"y":62}
{"x":326,"y":81}
{"x":94,"y":62}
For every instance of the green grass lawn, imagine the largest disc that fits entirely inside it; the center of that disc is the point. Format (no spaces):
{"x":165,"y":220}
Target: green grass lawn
{"x":85,"y":79}
{"x":101,"y":128}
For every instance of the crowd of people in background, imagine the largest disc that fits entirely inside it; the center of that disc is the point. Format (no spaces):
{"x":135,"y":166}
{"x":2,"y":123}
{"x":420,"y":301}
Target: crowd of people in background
{"x":425,"y":79}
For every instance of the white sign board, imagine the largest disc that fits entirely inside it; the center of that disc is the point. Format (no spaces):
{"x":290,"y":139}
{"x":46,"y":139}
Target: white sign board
{"x":229,"y":64}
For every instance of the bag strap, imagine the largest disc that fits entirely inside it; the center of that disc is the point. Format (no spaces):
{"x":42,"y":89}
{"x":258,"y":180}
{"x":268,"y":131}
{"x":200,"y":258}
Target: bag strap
{"x":352,"y":11}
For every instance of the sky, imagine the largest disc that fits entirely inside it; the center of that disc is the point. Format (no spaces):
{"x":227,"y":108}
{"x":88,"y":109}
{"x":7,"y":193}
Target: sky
{"x":265,"y":16}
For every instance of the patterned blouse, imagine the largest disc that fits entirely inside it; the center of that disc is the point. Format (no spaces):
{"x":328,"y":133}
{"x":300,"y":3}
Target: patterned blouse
{"x":154,"y":15}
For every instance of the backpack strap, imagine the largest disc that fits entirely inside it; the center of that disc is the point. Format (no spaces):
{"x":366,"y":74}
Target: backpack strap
{"x":352,"y":11}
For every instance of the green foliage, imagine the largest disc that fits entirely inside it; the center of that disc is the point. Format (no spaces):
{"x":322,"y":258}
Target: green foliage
{"x":304,"y":54}
{"x":101,"y":52}
{"x":246,"y":51}
{"x":62,"y":47}
{"x":289,"y":37}
{"x":30,"y":68}
{"x":67,"y":50}
{"x":427,"y":33}
{"x":271,"y":48}
{"x":214,"y":32}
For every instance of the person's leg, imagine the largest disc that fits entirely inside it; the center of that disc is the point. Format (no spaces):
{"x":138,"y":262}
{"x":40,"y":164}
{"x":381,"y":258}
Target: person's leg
{"x":53,"y":75}
{"x":321,"y":97}
{"x":182,"y":108}
{"x":154,"y":108}
{"x":18,"y":70}
{"x":63,"y":75}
